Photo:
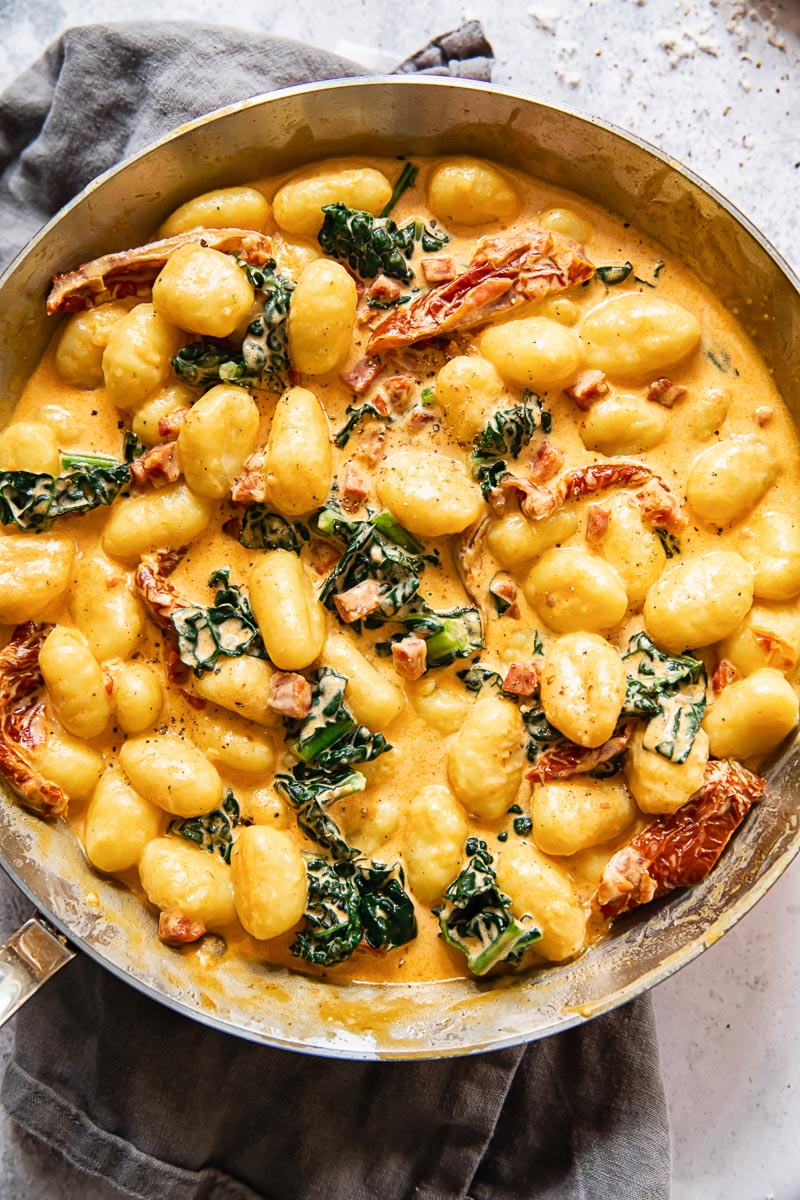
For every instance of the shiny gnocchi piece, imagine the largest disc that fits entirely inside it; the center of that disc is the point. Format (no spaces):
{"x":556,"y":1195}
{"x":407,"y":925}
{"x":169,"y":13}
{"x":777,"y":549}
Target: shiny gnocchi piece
{"x":80,"y":349}
{"x":171,"y":773}
{"x":374,"y":700}
{"x":769,"y":636}
{"x":178,"y":877}
{"x":299,"y":459}
{"x":699,"y":601}
{"x":321,"y":318}
{"x":30,"y":446}
{"x":119,"y":824}
{"x":223,"y":208}
{"x":137,"y":356}
{"x":291,"y":619}
{"x":634,"y":337}
{"x":538,"y":886}
{"x":162,"y":405}
{"x":484,"y":763}
{"x":533,"y":352}
{"x":660,"y":785}
{"x":104,"y":607}
{"x":269,"y":881}
{"x":429,"y":493}
{"x":624,"y":424}
{"x":729,"y":478}
{"x":203,"y":290}
{"x":35,"y":573}
{"x":298,"y":205}
{"x":435,"y":832}
{"x":514,"y":540}
{"x":771,"y":544}
{"x":574,"y":590}
{"x":572,"y":815}
{"x":219,"y":433}
{"x":470,"y":192}
{"x":634,"y":551}
{"x":468,"y":390}
{"x":75,"y":682}
{"x":583,"y":688}
{"x":138,"y":696}
{"x":147,"y":521}
{"x":751,"y":716}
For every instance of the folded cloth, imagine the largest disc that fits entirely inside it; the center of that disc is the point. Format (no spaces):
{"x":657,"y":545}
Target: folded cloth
{"x":138,"y":1101}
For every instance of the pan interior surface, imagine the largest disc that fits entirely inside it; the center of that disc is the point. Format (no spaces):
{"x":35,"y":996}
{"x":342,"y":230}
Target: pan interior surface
{"x":406,"y":116}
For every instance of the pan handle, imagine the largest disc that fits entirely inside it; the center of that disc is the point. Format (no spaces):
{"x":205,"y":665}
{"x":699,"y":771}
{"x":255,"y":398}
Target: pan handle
{"x":27,"y":960}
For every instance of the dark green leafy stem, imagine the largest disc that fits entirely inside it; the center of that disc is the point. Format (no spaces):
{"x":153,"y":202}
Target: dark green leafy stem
{"x":228,"y":627}
{"x":670,"y":543}
{"x":213,"y":831}
{"x":263,"y":358}
{"x":449,"y":634}
{"x":476,"y":916}
{"x":388,"y":525}
{"x":355,"y":415}
{"x":266,"y":530}
{"x":330,"y":736}
{"x":353,"y":902}
{"x":310,"y":792}
{"x":671,"y":691}
{"x":613,"y":275}
{"x":33,"y":502}
{"x":374,"y":245}
{"x":406,"y":180}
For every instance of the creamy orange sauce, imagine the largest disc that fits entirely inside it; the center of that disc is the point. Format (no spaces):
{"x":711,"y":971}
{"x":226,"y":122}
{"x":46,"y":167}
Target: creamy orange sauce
{"x":87,"y":421}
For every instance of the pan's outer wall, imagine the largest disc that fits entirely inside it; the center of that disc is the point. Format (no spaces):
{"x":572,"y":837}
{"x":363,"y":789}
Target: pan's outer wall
{"x":406,"y":116}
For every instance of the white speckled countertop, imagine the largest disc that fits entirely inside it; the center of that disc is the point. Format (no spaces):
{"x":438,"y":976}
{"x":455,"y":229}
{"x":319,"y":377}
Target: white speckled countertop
{"x":709,"y":81}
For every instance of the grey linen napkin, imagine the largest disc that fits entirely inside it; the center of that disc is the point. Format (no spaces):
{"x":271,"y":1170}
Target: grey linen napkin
{"x":123,"y":1096}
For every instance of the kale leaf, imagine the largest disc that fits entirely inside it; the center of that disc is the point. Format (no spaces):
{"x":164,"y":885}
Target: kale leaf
{"x":351,"y":902}
{"x":476,"y":916}
{"x":263,"y":358}
{"x":449,"y":634}
{"x":212,"y":831}
{"x":227,"y":627}
{"x":542,"y":736}
{"x":510,"y":429}
{"x":33,"y":502}
{"x":671,"y":691}
{"x":614,"y":274}
{"x":310,"y":791}
{"x":375,"y":245}
{"x":371,"y":552}
{"x":355,"y":415}
{"x":370,"y":245}
{"x":478,"y":676}
{"x":263,"y":529}
{"x":330,"y":736}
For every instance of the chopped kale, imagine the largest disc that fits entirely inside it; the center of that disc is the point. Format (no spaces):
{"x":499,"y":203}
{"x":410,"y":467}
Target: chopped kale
{"x":131,"y":446}
{"x":501,"y":602}
{"x":428,"y":396}
{"x":671,"y":691}
{"x":311,"y":791}
{"x":670,"y":543}
{"x":227,"y":627}
{"x":510,"y":429}
{"x":263,"y":358}
{"x":522,"y":826}
{"x":488,"y":475}
{"x":33,"y":502}
{"x":354,"y":416}
{"x":614,"y":274}
{"x":213,"y":831}
{"x":397,"y":302}
{"x":476,"y":916}
{"x":370,"y":245}
{"x":387,"y":524}
{"x":542,"y":736}
{"x":330,"y":736}
{"x":476,"y":677}
{"x":431,"y":240}
{"x":406,"y":180}
{"x":351,"y":902}
{"x":266,"y":530}
{"x":371,"y":552}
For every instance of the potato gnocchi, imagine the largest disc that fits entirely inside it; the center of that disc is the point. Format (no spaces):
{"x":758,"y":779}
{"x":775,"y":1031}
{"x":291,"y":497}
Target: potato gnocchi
{"x":395,"y":570}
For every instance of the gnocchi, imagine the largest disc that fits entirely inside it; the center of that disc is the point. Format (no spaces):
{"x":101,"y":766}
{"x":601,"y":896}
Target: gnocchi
{"x":223,"y":208}
{"x":298,"y":205}
{"x":299,"y":460}
{"x":471,"y":192}
{"x":321,"y":318}
{"x":573,"y":590}
{"x":137,"y":356}
{"x":435,"y":833}
{"x":484,"y":763}
{"x":729,"y":478}
{"x":220,"y":431}
{"x":269,"y":881}
{"x":533,"y":352}
{"x":429,"y":493}
{"x":699,"y":601}
{"x":573,"y":815}
{"x":633,"y":337}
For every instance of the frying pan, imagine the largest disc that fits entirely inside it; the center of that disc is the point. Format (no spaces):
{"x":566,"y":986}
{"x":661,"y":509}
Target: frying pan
{"x":82,"y":911}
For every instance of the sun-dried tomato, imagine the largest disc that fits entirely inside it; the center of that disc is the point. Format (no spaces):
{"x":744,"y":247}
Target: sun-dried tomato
{"x":679,"y":850}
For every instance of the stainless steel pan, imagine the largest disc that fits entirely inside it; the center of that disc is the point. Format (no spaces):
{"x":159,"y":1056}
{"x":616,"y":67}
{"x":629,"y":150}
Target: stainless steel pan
{"x":270,"y":134}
